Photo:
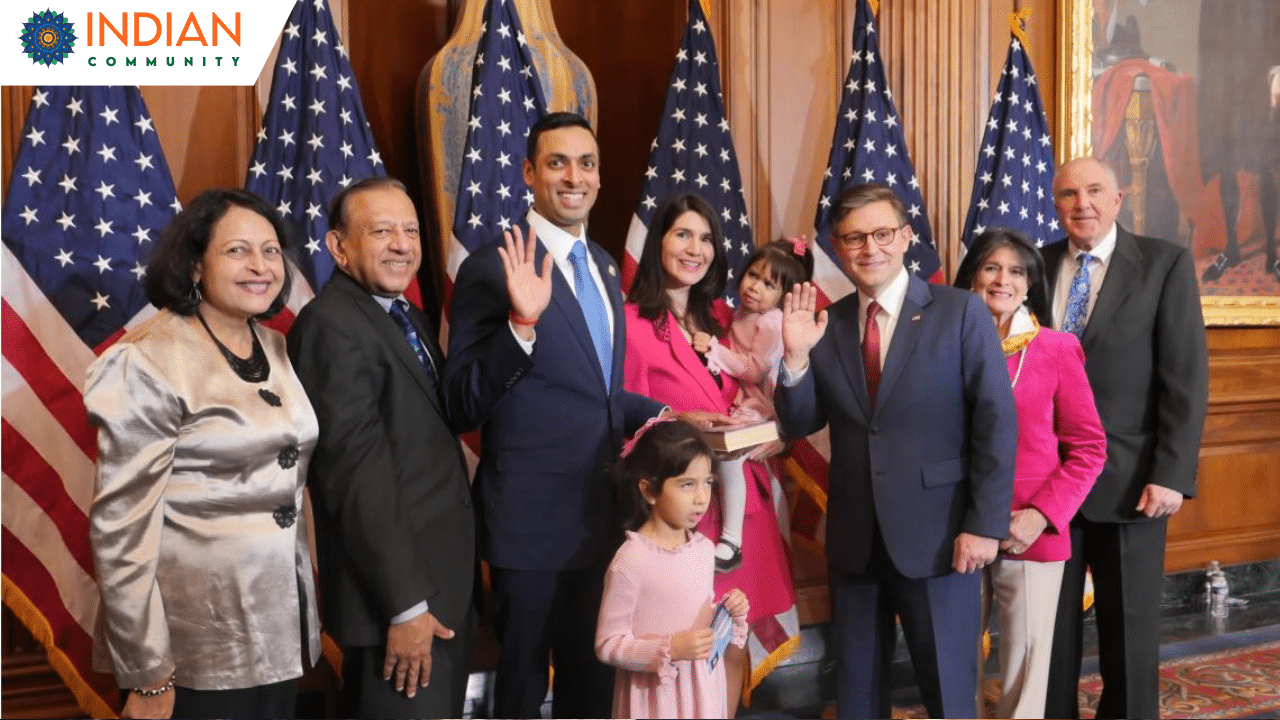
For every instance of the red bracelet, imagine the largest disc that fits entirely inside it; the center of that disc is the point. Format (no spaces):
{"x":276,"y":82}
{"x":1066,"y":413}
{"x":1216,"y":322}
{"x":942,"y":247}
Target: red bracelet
{"x":521,"y":321}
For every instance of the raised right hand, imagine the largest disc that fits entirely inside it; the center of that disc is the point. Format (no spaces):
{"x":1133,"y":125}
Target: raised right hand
{"x":801,"y":329}
{"x":408,"y":659}
{"x":692,"y":644}
{"x":529,"y":290}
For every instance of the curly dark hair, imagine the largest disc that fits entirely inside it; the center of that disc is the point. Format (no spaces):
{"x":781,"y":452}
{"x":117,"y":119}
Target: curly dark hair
{"x":991,"y":240}
{"x":168,"y":282}
{"x":786,"y":268}
{"x":663,"y":451}
{"x":649,"y":288}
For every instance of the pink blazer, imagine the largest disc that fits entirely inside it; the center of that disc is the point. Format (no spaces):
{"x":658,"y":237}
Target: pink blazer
{"x":661,"y":364}
{"x":1061,"y":444}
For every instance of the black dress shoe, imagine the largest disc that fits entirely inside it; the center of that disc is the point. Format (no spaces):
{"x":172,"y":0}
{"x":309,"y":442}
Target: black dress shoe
{"x":1219,"y":266}
{"x":733,"y":562}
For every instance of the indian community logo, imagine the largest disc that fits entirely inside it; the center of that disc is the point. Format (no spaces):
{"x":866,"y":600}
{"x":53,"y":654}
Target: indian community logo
{"x":48,"y":38}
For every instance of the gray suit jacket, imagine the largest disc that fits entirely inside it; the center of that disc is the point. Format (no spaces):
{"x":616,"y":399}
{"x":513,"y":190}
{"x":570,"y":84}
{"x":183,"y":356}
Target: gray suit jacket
{"x":1147,"y":362}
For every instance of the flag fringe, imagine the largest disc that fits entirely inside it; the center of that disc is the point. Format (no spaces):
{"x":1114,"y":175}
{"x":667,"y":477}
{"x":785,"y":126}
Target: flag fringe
{"x":768,"y":664}
{"x":332,"y":654}
{"x":807,"y":484}
{"x":36,"y":623}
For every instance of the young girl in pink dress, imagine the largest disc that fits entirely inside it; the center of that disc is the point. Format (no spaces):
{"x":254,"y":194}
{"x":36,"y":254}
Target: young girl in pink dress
{"x":659,"y":601}
{"x":752,"y":358}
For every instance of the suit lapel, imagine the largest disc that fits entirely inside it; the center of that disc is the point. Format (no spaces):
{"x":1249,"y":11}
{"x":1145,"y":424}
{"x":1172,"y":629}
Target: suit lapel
{"x":1053,"y":255}
{"x":387,"y":330}
{"x":1122,"y":276}
{"x":563,"y":297}
{"x":905,"y":335}
{"x":683,"y":353}
{"x":847,"y":340}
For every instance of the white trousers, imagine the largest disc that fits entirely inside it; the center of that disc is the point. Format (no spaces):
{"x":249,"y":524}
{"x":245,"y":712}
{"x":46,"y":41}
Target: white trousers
{"x":1025,"y":594}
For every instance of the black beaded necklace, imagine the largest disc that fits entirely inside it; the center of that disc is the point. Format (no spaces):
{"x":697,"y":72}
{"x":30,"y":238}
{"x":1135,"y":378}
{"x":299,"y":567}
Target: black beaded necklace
{"x":255,"y":369}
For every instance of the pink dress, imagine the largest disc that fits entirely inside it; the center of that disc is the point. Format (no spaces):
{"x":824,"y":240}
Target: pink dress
{"x":651,"y":593}
{"x":756,"y":342}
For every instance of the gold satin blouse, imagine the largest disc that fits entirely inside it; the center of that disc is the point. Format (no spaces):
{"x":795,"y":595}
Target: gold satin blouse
{"x":197,"y":529}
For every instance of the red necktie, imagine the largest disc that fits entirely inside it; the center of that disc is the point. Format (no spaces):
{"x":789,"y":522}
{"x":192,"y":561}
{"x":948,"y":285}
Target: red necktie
{"x":871,"y":351}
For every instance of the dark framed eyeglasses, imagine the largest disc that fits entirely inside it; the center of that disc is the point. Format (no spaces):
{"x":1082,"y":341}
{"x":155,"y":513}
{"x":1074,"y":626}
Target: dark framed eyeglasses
{"x":856,"y":240}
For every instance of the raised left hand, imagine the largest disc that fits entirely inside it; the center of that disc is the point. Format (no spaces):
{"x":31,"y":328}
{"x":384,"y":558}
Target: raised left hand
{"x":529,"y":290}
{"x":973,"y":552}
{"x":1159,"y":501}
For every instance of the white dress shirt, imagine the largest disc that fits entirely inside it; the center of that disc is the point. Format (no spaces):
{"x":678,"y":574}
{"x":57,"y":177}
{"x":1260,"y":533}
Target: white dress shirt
{"x":1097,"y":272}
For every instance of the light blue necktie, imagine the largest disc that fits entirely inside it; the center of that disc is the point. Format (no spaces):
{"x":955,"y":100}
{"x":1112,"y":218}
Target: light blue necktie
{"x":592,"y":309}
{"x":1078,"y":298}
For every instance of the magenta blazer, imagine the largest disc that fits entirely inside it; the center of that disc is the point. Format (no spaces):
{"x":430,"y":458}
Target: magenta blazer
{"x":1061,"y":444}
{"x":660,"y":363}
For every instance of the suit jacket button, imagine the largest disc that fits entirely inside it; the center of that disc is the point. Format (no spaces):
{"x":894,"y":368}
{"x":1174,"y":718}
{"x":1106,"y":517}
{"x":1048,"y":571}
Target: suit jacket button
{"x":875,"y":429}
{"x":466,"y":501}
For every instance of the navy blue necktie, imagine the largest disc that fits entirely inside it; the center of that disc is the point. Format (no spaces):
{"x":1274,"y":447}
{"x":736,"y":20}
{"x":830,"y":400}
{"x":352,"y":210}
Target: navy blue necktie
{"x":401,"y":316}
{"x":592,"y":309}
{"x":1078,"y":298}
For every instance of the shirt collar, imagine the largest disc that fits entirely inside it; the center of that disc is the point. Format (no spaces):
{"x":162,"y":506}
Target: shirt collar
{"x":1102,"y":251}
{"x":890,"y":299}
{"x":385,"y":301}
{"x":558,"y":242}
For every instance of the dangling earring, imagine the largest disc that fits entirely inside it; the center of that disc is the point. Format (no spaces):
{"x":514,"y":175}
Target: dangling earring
{"x":195,"y":296}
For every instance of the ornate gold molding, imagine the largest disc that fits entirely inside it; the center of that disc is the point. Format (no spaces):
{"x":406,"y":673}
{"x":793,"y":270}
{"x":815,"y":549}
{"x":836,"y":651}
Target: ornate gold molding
{"x":1075,"y":79}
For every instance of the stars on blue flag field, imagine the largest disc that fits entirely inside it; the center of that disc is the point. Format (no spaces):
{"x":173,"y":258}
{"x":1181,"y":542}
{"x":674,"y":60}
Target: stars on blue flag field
{"x":869,"y":146}
{"x":1013,"y":184}
{"x":315,"y":138}
{"x":90,"y":194}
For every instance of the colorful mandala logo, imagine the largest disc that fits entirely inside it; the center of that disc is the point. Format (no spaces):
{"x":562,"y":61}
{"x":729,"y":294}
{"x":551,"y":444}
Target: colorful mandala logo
{"x":48,"y":38}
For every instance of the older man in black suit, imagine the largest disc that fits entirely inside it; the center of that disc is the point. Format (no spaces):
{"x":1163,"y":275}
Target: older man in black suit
{"x":395,"y":530}
{"x":1135,"y":305}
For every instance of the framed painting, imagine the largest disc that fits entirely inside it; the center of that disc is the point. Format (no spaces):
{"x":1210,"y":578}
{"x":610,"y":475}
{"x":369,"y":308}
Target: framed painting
{"x":1182,"y":98}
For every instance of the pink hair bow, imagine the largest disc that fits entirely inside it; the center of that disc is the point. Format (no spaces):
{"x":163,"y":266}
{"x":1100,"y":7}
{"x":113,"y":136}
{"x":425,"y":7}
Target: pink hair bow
{"x":630,"y":445}
{"x":799,"y":245}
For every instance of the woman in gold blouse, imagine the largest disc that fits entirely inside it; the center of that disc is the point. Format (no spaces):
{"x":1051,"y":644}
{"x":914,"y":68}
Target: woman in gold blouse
{"x":204,"y":433}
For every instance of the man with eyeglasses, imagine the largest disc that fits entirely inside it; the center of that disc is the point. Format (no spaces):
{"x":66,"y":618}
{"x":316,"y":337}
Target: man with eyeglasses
{"x":912,"y":381}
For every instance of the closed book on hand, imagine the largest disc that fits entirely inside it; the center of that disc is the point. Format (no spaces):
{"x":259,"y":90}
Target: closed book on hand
{"x":745,"y":436}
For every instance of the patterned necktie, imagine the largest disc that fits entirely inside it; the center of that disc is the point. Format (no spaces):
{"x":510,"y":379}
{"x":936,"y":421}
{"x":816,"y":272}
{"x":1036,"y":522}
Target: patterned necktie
{"x":592,"y":309}
{"x":1078,"y":298}
{"x":871,"y":351}
{"x":401,"y":316}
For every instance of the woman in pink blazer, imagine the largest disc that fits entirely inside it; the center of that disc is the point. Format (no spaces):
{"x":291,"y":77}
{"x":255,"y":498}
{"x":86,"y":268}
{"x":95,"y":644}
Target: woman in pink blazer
{"x":675,"y":293}
{"x":1061,"y":450}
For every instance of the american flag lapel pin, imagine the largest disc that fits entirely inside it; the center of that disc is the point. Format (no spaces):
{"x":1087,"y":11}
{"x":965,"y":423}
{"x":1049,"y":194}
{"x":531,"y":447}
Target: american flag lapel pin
{"x":916,"y":317}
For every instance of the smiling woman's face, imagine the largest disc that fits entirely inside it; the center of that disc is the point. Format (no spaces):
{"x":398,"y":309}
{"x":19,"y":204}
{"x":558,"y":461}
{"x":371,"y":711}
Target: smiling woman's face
{"x":687,"y":250}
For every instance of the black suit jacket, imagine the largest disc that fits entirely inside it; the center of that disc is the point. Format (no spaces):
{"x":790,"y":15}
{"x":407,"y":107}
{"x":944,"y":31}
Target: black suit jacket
{"x":1147,"y":363}
{"x":393,"y":515}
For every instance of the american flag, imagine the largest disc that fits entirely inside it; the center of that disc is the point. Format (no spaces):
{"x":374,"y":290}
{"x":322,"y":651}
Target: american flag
{"x":1013,"y":186}
{"x":90,"y":193}
{"x":506,"y":100}
{"x":314,"y":140}
{"x":693,"y":152}
{"x":869,"y":146}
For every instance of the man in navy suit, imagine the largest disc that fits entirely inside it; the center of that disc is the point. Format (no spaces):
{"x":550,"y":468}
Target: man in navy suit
{"x":912,"y":381}
{"x":535,"y":359}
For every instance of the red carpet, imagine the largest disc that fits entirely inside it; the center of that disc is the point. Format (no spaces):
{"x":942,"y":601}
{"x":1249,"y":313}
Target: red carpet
{"x":1230,"y":684}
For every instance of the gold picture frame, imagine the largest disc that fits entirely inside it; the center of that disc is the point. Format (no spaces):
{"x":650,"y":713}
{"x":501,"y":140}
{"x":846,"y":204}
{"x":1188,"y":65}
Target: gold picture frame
{"x":1074,"y":129}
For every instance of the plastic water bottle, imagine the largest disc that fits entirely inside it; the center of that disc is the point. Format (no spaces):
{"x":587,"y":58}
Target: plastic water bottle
{"x":1218,"y":590}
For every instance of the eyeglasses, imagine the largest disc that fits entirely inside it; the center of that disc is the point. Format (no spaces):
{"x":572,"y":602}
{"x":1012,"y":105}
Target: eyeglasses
{"x":857,"y":240}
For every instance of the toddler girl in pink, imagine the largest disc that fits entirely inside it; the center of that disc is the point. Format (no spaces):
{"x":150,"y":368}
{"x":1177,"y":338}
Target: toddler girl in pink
{"x":655,"y":618}
{"x":752,"y":358}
